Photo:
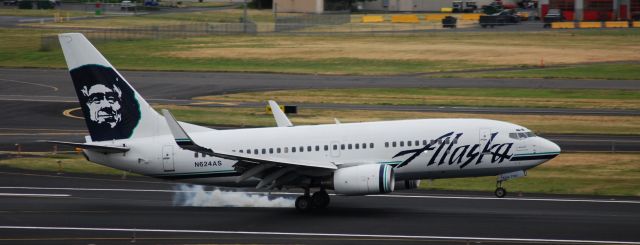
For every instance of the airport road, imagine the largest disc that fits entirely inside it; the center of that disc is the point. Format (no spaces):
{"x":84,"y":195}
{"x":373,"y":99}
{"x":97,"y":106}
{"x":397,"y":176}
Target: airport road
{"x":68,"y":209}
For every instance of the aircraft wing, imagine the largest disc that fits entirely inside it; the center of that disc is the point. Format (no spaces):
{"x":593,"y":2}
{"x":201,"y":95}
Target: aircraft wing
{"x":281,"y":119}
{"x":184,"y":141}
{"x":98,"y":148}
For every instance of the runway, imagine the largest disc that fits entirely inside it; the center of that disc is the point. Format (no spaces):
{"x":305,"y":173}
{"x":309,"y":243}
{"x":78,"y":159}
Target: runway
{"x":48,"y":208}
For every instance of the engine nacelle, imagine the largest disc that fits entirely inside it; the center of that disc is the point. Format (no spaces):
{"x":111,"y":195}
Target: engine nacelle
{"x":407,"y":184}
{"x":364,"y":179}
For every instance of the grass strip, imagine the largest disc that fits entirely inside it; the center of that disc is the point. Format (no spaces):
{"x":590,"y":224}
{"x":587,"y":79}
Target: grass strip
{"x":483,"y":97}
{"x":549,"y":124}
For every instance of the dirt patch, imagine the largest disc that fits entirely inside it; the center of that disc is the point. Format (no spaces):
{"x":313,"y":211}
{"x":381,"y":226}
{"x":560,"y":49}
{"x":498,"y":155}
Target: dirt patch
{"x":494,"y":52}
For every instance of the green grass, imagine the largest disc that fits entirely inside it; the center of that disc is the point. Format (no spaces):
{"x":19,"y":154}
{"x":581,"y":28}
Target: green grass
{"x":618,"y":71}
{"x":497,"y":97}
{"x":258,"y":117}
{"x":570,"y":173}
{"x":64,"y":163}
{"x":40,"y":12}
{"x":21,"y":48}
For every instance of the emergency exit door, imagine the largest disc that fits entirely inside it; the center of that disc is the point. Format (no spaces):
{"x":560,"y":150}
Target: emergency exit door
{"x":167,"y":158}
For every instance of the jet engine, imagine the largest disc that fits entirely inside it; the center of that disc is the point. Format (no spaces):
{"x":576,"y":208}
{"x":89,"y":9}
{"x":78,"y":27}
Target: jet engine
{"x":363,"y":179}
{"x":407,"y":184}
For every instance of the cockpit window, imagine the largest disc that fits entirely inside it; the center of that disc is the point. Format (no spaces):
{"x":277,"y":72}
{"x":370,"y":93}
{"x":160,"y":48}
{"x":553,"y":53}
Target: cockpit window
{"x":522,"y":135}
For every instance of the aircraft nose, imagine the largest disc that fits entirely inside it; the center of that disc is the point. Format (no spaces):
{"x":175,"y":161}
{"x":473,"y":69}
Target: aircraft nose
{"x":550,"y":146}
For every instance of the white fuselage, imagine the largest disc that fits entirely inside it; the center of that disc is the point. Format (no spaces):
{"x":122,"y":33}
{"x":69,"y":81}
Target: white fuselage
{"x":456,"y":148}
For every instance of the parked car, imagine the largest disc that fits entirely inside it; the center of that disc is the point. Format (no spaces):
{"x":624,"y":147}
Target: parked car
{"x":10,"y":2}
{"x":554,"y":15}
{"x":127,"y":5}
{"x":505,"y":17}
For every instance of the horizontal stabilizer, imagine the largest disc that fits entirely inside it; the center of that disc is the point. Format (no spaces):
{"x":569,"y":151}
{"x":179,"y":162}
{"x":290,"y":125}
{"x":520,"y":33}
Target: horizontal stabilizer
{"x":97,"y":148}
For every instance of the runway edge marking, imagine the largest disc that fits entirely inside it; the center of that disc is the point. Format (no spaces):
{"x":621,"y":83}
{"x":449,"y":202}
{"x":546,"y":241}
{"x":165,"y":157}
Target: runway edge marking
{"x":293,"y":193}
{"x":319,"y":234}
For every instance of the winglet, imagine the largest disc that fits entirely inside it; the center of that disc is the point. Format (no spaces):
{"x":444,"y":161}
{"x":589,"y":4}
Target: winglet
{"x":181,"y":137}
{"x":281,"y":118}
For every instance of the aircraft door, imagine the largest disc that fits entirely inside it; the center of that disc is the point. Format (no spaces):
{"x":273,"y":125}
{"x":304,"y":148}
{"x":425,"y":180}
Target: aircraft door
{"x":485,"y":135}
{"x":167,"y":158}
{"x":335,"y":149}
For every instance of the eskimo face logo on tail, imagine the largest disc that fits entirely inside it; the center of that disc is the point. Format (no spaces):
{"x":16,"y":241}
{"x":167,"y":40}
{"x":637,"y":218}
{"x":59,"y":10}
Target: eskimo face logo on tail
{"x":110,"y":108}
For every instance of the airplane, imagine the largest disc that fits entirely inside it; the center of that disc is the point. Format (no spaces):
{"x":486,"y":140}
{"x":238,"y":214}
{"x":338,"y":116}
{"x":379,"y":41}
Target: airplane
{"x":364,"y":158}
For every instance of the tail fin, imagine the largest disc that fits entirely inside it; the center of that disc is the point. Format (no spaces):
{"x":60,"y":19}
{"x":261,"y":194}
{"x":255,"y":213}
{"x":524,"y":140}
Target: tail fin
{"x":112,"y":109}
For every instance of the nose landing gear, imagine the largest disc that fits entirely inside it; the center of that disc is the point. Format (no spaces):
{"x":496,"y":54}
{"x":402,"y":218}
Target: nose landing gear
{"x":500,"y":192}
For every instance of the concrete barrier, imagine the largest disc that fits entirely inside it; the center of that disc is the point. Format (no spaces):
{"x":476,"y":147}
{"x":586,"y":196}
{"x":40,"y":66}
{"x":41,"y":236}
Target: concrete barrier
{"x":616,"y":24}
{"x":474,"y":17}
{"x":636,"y":24}
{"x":563,"y":25}
{"x":589,"y":25}
{"x":372,"y":19}
{"x":434,"y":17}
{"x":405,"y":19}
{"x":446,"y":10}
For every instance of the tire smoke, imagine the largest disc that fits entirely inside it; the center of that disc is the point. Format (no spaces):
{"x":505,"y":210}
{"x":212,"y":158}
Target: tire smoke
{"x":197,"y":196}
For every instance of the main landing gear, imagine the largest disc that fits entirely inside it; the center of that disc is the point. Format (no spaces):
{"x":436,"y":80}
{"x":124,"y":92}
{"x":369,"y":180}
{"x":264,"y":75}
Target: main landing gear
{"x":307,"y":202}
{"x":500,"y":192}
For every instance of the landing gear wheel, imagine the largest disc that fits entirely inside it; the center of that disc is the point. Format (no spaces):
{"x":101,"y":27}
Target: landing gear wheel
{"x":500,"y":192}
{"x":303,"y":203}
{"x":320,"y":199}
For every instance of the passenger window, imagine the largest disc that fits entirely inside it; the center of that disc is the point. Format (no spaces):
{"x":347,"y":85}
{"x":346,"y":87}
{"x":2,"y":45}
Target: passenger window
{"x":196,"y":154}
{"x":255,"y":151}
{"x":417,"y":142}
{"x":270,"y":150}
{"x":326,"y":147}
{"x":446,"y":141}
{"x":424,"y":142}
{"x":264,"y":151}
{"x":408,"y":143}
{"x":401,"y":143}
{"x":393,"y":144}
{"x":455,"y":141}
{"x":433,"y":142}
{"x":317,"y":148}
{"x":349,"y":146}
{"x":293,"y":149}
{"x":386,"y":144}
{"x":308,"y":148}
{"x":241,"y":151}
{"x":204,"y":155}
{"x":278,"y":150}
{"x":341,"y":146}
{"x":357,"y":146}
{"x":371,"y":145}
{"x":301,"y":148}
{"x":364,"y":145}
{"x":286,"y":150}
{"x":335,"y":147}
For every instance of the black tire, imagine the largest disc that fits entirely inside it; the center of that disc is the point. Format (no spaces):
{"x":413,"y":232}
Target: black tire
{"x":500,"y":192}
{"x":320,"y":199}
{"x":303,"y":203}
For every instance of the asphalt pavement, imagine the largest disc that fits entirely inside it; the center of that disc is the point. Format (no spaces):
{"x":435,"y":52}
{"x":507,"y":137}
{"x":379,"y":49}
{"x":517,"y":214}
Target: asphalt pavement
{"x":79,"y":209}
